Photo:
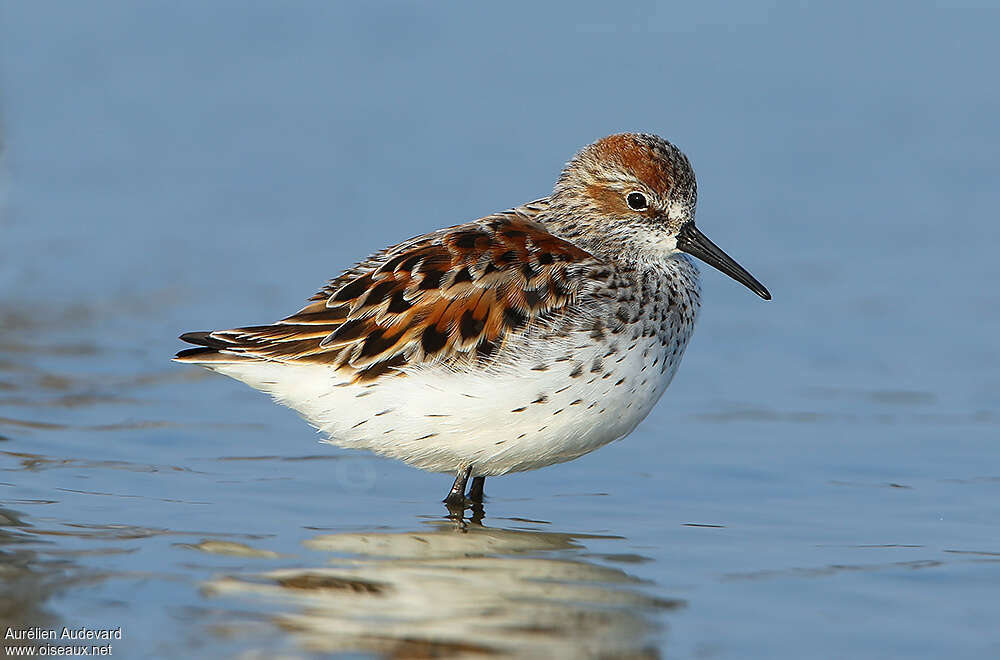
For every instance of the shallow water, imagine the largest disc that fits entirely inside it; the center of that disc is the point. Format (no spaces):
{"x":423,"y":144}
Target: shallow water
{"x":821,"y":480}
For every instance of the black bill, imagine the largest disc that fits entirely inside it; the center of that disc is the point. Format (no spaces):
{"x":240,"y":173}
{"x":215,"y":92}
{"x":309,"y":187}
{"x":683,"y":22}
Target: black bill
{"x":695,"y":243}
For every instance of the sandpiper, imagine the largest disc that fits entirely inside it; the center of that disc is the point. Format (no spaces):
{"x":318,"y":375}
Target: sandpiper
{"x":525,"y":338}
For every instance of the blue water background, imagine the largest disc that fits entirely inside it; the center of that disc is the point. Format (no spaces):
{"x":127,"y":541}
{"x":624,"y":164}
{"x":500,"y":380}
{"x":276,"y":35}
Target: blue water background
{"x":821,"y":480}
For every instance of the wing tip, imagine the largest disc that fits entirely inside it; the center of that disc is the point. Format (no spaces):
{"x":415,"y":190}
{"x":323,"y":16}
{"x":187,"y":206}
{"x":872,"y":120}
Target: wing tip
{"x":204,"y":339}
{"x":194,"y":354}
{"x":208,"y":357}
{"x":207,"y":349}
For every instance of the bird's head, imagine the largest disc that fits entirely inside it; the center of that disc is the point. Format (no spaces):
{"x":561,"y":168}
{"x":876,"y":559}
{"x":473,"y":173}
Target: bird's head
{"x":638,"y":193}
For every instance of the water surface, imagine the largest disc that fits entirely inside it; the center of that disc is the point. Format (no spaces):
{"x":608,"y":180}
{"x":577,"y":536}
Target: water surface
{"x":821,"y":480}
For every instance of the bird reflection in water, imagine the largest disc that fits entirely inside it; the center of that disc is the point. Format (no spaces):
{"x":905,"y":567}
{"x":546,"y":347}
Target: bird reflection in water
{"x":459,"y":588}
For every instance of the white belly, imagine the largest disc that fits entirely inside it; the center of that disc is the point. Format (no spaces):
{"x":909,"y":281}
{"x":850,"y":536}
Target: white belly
{"x":517,"y":419}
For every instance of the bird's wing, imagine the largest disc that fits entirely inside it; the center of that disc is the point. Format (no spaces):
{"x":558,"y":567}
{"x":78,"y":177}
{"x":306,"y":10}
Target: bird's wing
{"x":454,"y":295}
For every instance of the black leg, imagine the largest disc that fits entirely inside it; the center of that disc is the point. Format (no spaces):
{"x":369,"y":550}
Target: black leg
{"x":457,"y":495}
{"x":476,"y":489}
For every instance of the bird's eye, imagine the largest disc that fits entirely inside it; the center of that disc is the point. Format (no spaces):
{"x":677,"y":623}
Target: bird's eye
{"x":636,"y":201}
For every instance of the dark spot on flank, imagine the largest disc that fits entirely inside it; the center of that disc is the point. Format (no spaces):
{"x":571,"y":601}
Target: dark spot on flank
{"x":541,"y":399}
{"x":431,"y":280}
{"x":558,"y":411}
{"x":470,"y":326}
{"x":429,"y":435}
{"x":398,"y":303}
{"x":380,"y":368}
{"x":521,"y":436}
{"x":432,"y":341}
{"x":462,"y":276}
{"x":545,"y":258}
{"x":597,"y":367}
{"x":540,"y":367}
{"x":352,"y":290}
{"x":486,"y":349}
{"x":597,"y":332}
{"x":620,"y":382}
{"x":577,"y":370}
{"x":622,"y":315}
{"x":521,"y":409}
{"x":359,"y":423}
{"x":513,"y":318}
{"x":577,"y":402}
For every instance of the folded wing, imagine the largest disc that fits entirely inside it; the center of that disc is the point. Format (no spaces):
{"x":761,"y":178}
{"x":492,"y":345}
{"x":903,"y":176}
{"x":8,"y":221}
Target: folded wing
{"x":457,"y":295}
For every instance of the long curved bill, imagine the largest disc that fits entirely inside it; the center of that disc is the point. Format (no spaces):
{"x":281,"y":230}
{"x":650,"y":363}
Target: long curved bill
{"x":695,"y":243}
